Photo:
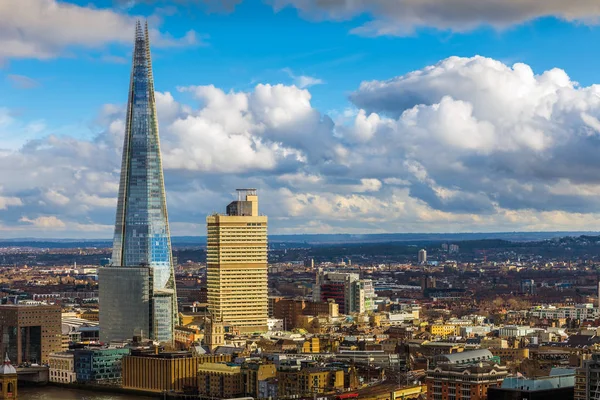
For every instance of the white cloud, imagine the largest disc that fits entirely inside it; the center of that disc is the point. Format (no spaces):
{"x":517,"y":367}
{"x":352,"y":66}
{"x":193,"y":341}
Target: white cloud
{"x":402,"y":17}
{"x":303,"y":81}
{"x":47,"y":28}
{"x":46,"y":222}
{"x":468,"y":144}
{"x":6,"y":202}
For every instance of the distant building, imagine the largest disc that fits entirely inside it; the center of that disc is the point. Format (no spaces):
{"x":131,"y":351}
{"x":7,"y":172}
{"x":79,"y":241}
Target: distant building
{"x":99,"y":365}
{"x":289,"y":310}
{"x":352,"y":294}
{"x":30,"y":333}
{"x":237,"y":264}
{"x":422,"y":256}
{"x":453,"y":248}
{"x":528,"y":286}
{"x":578,"y":312}
{"x":515,"y":331}
{"x":62,"y":368}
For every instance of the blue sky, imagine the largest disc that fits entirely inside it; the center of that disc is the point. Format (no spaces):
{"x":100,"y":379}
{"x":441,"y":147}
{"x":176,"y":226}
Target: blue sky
{"x":328,"y":154}
{"x":255,"y":44}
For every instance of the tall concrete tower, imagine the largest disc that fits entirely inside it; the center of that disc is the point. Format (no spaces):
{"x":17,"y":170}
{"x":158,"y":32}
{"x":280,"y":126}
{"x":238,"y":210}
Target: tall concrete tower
{"x":236,"y":264}
{"x":137,"y":291}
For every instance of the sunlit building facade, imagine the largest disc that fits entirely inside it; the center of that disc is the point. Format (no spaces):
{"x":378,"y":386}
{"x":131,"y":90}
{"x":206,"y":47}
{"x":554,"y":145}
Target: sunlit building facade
{"x":237,"y":264}
{"x":142,"y":238}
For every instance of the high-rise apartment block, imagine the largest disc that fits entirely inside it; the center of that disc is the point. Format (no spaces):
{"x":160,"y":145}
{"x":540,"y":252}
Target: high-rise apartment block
{"x":422,"y":256}
{"x":352,"y":294}
{"x":237,"y":264}
{"x":30,"y":333}
{"x":137,"y":291}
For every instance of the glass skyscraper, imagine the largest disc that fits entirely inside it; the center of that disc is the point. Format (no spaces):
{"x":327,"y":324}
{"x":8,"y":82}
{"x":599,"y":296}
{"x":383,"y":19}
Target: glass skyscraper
{"x":142,"y":238}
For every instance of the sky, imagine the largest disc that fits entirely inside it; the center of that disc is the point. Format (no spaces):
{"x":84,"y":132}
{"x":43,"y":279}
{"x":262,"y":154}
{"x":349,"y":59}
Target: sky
{"x":348,"y":116}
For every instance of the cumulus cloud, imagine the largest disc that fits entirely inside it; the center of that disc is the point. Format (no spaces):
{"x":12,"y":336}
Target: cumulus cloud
{"x":47,"y":28}
{"x":468,"y":144}
{"x":402,"y":17}
{"x":473,"y":133}
{"x":47,"y":222}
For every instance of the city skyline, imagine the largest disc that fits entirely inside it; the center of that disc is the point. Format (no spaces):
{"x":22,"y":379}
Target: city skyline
{"x":363,"y":119}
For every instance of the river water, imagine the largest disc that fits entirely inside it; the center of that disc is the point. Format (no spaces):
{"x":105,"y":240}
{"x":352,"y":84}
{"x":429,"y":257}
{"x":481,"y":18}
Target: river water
{"x":56,"y":393}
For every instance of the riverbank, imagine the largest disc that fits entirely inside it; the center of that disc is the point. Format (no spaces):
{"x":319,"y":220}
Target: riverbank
{"x":106,"y":389}
{"x":53,"y":392}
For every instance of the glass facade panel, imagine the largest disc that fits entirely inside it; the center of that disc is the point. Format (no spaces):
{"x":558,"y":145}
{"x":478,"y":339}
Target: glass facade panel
{"x":142,"y":229}
{"x":124,"y":303}
{"x":163,"y":316}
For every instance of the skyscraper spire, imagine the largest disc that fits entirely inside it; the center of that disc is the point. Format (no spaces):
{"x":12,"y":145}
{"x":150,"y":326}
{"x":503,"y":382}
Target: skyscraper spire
{"x":142,"y":236}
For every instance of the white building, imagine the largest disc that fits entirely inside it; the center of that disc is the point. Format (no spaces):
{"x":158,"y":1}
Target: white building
{"x":274,"y":324}
{"x":62,"y":368}
{"x":579,"y":311}
{"x":400,"y":317}
{"x":515,"y":331}
{"x":470,"y":331}
{"x":422,"y":256}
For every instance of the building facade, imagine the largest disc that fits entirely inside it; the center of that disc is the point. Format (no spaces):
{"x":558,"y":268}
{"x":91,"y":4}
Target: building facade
{"x":587,"y":379}
{"x":237,"y":264}
{"x":309,"y":381}
{"x":352,"y":294}
{"x":142,"y":237}
{"x":422,"y":258}
{"x":466,"y":375}
{"x":62,"y":368}
{"x":30,"y":333}
{"x":99,"y":365}
{"x":220,"y":380}
{"x":253,"y":373}
{"x":168,"y":371}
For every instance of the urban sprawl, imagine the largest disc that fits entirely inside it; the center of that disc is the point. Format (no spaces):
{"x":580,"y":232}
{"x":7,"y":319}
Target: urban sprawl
{"x":241,"y":316}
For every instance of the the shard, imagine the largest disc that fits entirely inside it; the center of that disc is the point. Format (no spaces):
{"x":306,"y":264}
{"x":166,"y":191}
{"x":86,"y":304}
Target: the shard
{"x":137,"y":290}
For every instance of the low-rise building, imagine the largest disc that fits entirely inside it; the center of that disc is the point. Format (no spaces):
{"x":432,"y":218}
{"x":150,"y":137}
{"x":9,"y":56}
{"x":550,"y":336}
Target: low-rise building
{"x":267,"y":389}
{"x":167,"y":371}
{"x":510,"y":354}
{"x":62,"y":367}
{"x":466,"y":375}
{"x":309,"y":381}
{"x":253,"y":373}
{"x":579,"y":312}
{"x":220,"y":380}
{"x":515,"y":331}
{"x":557,"y":386}
{"x":97,"y":365}
{"x":443,"y":330}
